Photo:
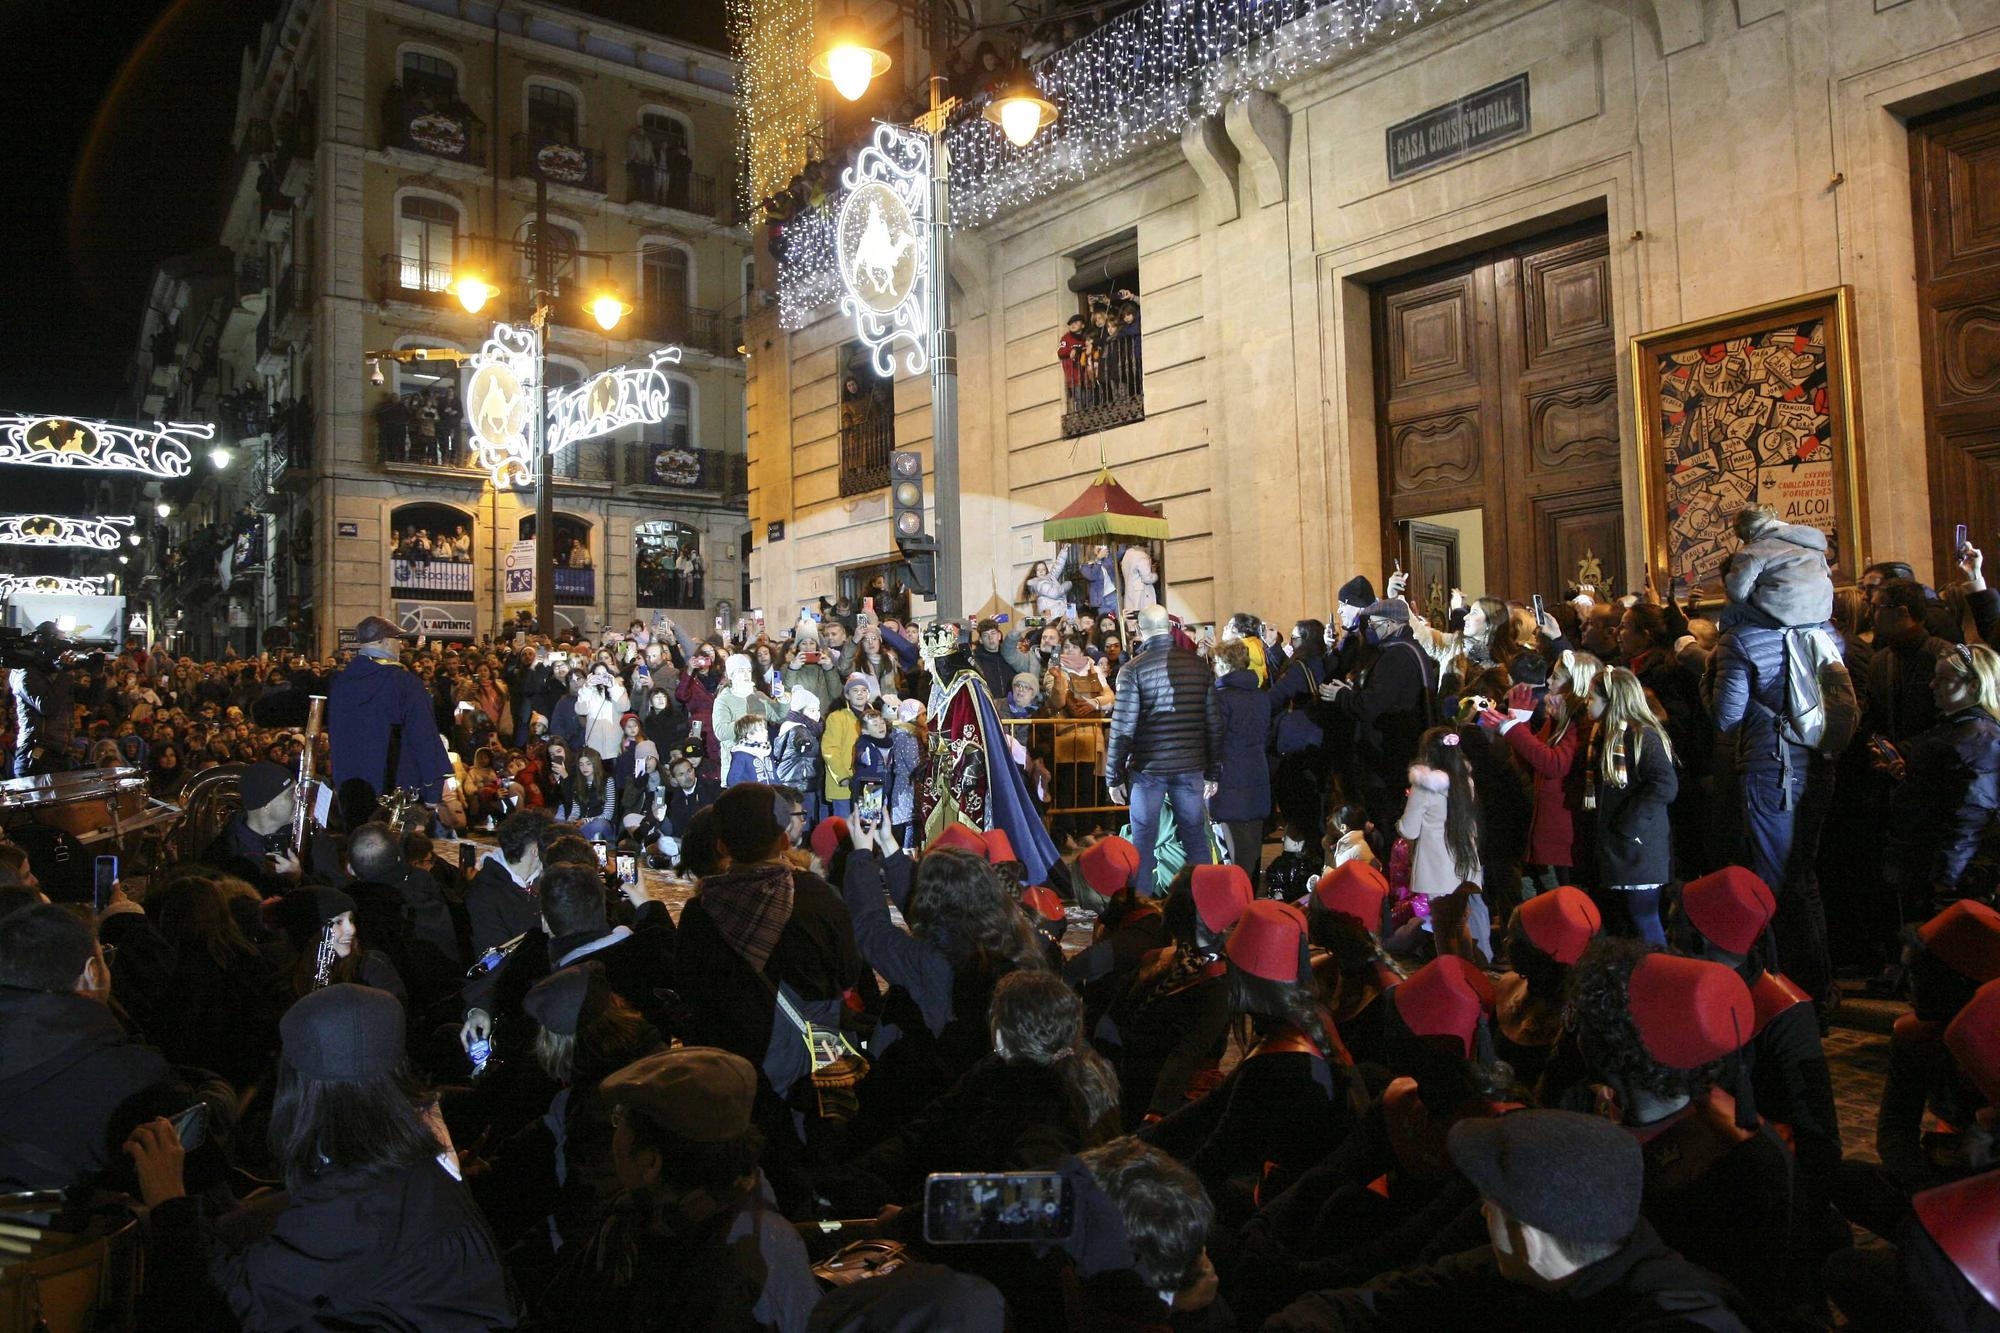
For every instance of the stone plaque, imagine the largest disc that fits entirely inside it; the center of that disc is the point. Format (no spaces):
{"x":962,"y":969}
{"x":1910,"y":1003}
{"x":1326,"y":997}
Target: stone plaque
{"x":1459,"y":129}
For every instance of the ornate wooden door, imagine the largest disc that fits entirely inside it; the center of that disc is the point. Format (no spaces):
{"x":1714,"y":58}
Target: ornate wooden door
{"x":1497,"y":389}
{"x":1955,"y":176}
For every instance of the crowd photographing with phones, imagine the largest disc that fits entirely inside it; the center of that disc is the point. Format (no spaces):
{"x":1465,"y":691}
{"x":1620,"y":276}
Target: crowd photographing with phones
{"x":1454,"y":962}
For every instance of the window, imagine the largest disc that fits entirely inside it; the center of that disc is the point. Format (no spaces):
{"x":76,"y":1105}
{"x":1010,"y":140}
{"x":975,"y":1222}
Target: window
{"x":666,"y":451}
{"x":659,"y":160}
{"x":668,"y":133}
{"x":552,"y":115}
{"x":749,"y":286}
{"x":431,"y":77}
{"x":664,"y":291}
{"x":426,"y":242}
{"x":564,"y":241}
{"x":1100,"y":349}
{"x":667,"y":556}
{"x":867,"y":423}
{"x":423,"y":418}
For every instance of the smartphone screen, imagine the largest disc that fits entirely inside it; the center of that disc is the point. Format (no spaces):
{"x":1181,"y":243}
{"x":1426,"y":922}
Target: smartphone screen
{"x":468,"y":856}
{"x":628,"y":868}
{"x":868,"y":808}
{"x":105,"y":883}
{"x":1538,"y":608}
{"x":1959,"y":544}
{"x":603,"y":850}
{"x":988,"y":1209}
{"x":192,"y":1126}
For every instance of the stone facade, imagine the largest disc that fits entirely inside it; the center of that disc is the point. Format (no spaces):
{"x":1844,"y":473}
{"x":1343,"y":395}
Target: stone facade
{"x":1737,"y":152}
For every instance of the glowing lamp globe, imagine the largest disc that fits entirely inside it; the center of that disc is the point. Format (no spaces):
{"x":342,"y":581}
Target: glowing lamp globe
{"x":1020,"y":110}
{"x":473,"y":292}
{"x":848,"y":60}
{"x":219,"y":457}
{"x":607,"y":310}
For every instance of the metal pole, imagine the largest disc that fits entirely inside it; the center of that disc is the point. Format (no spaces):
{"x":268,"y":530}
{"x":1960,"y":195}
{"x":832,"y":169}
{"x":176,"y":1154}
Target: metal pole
{"x":545,"y":491}
{"x":944,"y":382}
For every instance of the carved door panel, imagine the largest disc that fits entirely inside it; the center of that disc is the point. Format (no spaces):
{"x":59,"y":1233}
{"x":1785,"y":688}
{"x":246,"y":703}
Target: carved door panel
{"x":1497,"y":390}
{"x":1955,"y":175}
{"x":1433,"y":566}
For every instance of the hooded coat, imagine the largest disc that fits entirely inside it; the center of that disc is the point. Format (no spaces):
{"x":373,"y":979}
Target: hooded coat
{"x":379,"y":710}
{"x":1781,"y":576}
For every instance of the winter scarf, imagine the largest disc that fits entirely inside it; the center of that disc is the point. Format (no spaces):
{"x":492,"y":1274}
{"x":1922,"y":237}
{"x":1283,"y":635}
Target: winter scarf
{"x":750,"y":906}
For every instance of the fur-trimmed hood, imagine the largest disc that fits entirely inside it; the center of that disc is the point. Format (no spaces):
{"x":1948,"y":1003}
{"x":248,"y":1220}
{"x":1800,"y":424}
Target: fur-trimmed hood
{"x":1430,"y":779}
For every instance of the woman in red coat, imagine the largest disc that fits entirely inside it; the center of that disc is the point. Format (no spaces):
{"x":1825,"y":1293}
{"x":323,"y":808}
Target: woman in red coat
{"x":1554,"y":754}
{"x":697,"y":689}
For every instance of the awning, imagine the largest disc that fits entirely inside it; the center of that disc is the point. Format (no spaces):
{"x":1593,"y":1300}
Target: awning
{"x":1106,"y":509}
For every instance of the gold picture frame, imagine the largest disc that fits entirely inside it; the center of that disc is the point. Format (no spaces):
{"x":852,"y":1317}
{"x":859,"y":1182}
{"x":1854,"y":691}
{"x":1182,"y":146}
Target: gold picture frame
{"x":1755,"y":406}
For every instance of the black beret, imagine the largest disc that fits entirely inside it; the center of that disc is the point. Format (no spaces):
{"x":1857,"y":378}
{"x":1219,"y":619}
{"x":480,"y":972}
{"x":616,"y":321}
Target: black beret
{"x":1576,"y":1177}
{"x":344,"y":1033}
{"x":261,"y":783}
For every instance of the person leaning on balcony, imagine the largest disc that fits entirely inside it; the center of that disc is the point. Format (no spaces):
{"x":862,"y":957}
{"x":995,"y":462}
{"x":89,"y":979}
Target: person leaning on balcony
{"x":377,"y":709}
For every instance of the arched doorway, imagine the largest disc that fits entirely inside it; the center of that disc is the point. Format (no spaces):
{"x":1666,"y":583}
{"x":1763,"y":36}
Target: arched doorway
{"x":575,"y":561}
{"x":430,"y":548}
{"x":671,"y":568}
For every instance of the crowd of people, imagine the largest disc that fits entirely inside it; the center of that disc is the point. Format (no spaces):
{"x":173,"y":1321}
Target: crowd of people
{"x":1520,"y":1028}
{"x":423,"y":425}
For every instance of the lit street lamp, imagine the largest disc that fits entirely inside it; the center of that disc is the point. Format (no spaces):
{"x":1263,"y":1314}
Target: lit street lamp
{"x":850,"y":61}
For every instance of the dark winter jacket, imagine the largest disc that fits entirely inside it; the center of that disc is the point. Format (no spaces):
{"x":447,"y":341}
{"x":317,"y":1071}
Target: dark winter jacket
{"x":1745,"y":694}
{"x":42,"y":708}
{"x":72,"y":1086}
{"x":1643,"y":1288}
{"x":379,"y":710}
{"x":499,"y":907}
{"x":795,"y":752}
{"x":1633,"y":842}
{"x":1244,"y":792}
{"x":1898,"y":702}
{"x":403,"y":1250}
{"x":1167,"y":718}
{"x":1947,"y":799}
{"x":1389,"y":709}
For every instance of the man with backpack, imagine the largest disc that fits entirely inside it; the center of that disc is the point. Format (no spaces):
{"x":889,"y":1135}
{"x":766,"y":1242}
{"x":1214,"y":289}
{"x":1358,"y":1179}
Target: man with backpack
{"x":1785,"y":696}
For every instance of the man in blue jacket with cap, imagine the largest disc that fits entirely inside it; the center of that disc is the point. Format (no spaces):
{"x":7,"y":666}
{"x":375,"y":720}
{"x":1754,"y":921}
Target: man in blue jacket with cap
{"x":380,"y":721}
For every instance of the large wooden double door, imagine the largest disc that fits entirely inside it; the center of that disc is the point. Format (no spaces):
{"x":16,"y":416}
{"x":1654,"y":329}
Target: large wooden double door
{"x":1955,"y":172}
{"x":1497,"y":403}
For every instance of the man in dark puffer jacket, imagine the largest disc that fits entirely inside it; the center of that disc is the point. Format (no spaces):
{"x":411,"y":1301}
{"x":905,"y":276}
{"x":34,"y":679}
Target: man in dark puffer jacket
{"x":1166,"y":740}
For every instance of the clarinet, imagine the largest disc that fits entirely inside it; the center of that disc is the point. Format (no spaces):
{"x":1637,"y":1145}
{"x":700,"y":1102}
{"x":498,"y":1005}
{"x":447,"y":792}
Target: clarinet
{"x":302,"y":790}
{"x":323,"y":963}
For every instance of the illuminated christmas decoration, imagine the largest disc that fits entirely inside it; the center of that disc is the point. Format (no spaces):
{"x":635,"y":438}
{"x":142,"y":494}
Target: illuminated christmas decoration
{"x":95,"y":534}
{"x":157,"y":451}
{"x":777,"y":104}
{"x":1134,"y":83}
{"x":620,"y":397}
{"x":11,"y":584}
{"x":499,"y":405}
{"x":880,"y":243}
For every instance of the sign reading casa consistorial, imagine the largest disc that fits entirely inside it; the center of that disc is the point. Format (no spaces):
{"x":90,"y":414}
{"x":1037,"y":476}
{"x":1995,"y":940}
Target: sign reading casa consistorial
{"x":883,"y":250}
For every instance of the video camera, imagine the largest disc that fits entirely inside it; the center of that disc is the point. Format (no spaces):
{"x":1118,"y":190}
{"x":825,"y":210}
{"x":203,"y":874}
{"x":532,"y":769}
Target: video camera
{"x":32,"y":648}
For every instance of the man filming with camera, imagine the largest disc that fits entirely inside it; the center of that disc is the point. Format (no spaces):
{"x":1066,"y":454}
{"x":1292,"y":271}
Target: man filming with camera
{"x":42,"y":704}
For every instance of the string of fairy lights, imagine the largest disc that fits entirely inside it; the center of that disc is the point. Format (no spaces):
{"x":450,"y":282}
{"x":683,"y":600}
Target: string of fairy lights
{"x":1137,"y":81}
{"x":777,"y":99}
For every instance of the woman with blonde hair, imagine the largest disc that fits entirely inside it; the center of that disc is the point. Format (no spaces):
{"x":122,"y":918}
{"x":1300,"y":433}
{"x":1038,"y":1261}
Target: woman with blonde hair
{"x":1629,"y":782}
{"x":1555,"y":755}
{"x":1947,"y":778}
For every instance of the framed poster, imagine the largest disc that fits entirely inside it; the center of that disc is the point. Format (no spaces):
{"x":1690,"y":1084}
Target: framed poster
{"x":1754,"y":407}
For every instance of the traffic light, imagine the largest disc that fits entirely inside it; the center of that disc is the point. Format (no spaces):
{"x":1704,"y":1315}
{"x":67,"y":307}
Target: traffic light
{"x":906,"y":515}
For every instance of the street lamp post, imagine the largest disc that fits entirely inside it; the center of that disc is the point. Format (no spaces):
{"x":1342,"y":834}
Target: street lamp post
{"x":850,"y":63}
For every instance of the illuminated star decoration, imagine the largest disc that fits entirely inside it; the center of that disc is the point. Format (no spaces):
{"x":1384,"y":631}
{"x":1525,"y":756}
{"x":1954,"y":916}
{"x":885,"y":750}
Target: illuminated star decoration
{"x":10,"y":584}
{"x":620,"y":397}
{"x":95,"y":534}
{"x":1135,"y":82}
{"x":157,"y":451}
{"x":883,"y":248}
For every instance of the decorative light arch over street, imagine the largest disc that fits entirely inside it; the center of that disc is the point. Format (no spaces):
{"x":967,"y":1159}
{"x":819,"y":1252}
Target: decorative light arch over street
{"x":56,"y":584}
{"x":74,"y":442}
{"x":93,"y":534}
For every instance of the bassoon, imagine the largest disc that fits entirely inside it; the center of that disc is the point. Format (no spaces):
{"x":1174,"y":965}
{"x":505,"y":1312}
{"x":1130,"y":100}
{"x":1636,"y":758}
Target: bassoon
{"x":302,"y":790}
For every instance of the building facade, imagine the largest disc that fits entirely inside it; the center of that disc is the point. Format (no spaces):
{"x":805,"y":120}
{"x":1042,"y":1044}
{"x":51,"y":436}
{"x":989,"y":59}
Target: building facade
{"x":384,"y":148}
{"x":1365,"y":339}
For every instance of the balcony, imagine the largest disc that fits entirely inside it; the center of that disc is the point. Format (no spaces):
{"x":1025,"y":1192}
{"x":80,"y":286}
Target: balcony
{"x":417,"y":281}
{"x":692,"y":328}
{"x":646,"y":183}
{"x":422,"y":429}
{"x":575,"y":587}
{"x":1106,"y":389}
{"x":294,"y":435}
{"x":559,"y":163}
{"x":867,"y":437}
{"x":424,"y":122}
{"x":676,"y":589}
{"x":291,"y":301}
{"x":672,"y":466}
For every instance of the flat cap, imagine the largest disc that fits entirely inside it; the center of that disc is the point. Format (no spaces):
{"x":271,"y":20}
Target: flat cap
{"x":696,"y":1093}
{"x":375,"y":629}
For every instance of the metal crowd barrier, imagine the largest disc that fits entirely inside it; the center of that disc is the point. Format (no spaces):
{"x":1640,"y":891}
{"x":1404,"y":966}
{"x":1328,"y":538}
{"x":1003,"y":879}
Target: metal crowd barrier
{"x":1071,"y":749}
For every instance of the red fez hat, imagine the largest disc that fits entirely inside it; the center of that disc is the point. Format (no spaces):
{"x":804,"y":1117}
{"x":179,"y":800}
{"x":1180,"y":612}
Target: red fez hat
{"x":827,"y":835}
{"x":1356,"y":889}
{"x":1475,"y":977}
{"x":1109,"y":864}
{"x":1689,"y":1011}
{"x":1439,"y":1000}
{"x":1730,"y":907}
{"x":1043,"y":901}
{"x":1561,"y":923}
{"x":1965,"y":937}
{"x":1220,"y":895}
{"x":960,"y":836}
{"x":1973,"y":1038}
{"x":999,"y":847}
{"x":1270,"y":941}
